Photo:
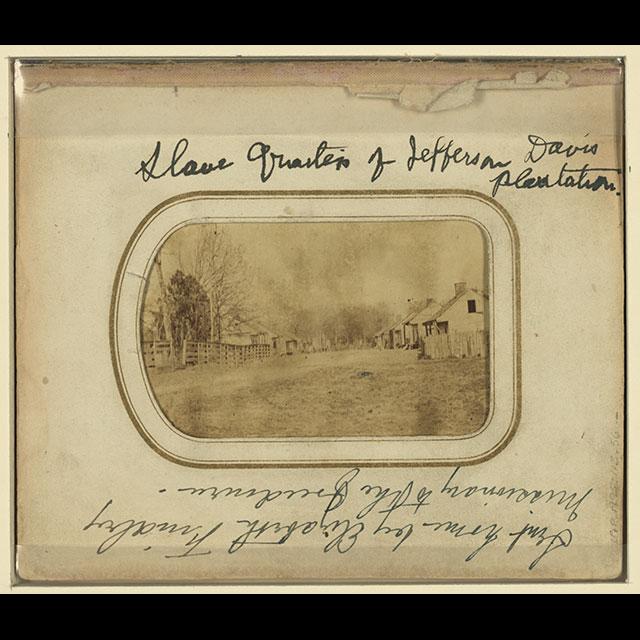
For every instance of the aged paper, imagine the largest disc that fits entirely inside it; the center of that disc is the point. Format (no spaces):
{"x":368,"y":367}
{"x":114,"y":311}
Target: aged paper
{"x":320,"y":322}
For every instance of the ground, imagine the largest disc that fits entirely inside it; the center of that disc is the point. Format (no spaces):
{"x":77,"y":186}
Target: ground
{"x":345,"y":393}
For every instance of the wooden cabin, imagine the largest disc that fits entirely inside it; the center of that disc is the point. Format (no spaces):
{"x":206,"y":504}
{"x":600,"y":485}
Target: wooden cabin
{"x":245,"y":333}
{"x":464,"y":312}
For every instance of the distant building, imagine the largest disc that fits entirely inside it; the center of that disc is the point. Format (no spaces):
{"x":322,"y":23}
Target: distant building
{"x":292,"y":345}
{"x":407,"y":331}
{"x":416,"y":329}
{"x":398,"y":333}
{"x":381,"y":339}
{"x":320,"y":343}
{"x":244,"y":333}
{"x":288,"y":344}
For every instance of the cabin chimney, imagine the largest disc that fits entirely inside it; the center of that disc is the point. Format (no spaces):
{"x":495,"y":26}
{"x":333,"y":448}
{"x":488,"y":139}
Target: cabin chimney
{"x":460,"y":287}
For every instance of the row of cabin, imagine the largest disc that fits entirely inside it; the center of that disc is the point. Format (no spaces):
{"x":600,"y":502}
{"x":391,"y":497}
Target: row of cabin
{"x":245,"y":333}
{"x":463,"y":312}
{"x":239,"y":333}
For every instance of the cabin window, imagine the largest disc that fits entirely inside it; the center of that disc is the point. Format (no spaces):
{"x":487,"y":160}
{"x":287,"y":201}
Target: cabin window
{"x":443,"y":327}
{"x":471,"y":306}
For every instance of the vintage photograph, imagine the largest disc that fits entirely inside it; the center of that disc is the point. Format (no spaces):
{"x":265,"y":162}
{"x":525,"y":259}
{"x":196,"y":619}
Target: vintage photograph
{"x":319,"y":329}
{"x":240,"y":362}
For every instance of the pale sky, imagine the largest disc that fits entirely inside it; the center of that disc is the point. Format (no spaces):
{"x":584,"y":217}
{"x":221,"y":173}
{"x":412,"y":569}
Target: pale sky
{"x":347,"y":263}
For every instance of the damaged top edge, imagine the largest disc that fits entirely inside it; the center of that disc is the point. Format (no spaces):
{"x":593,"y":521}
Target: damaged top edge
{"x":243,"y":72}
{"x":417,"y":84}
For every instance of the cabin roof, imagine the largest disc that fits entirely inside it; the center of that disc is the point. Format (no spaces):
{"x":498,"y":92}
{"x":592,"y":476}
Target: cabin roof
{"x":249,"y":328}
{"x":426,"y":313}
{"x":447,"y":305}
{"x":409,"y":317}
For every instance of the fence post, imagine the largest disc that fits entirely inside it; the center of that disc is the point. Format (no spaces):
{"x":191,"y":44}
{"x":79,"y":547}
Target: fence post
{"x":458,"y":344}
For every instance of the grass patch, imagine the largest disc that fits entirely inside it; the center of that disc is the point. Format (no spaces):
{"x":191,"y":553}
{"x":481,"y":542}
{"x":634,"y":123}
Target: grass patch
{"x":332,"y":394}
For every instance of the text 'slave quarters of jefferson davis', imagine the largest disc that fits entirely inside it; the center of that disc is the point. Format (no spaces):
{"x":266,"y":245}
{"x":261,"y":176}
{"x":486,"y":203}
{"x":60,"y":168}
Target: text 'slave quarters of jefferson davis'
{"x":319,"y":321}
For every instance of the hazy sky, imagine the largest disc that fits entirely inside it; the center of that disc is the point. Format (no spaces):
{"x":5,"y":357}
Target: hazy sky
{"x":350,"y":263}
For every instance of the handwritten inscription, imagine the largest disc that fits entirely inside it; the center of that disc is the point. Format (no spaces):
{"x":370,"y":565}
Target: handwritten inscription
{"x":445,"y":152}
{"x":585,"y":177}
{"x":149,"y":169}
{"x":437,"y":157}
{"x":269,"y":160}
{"x":339,"y":517}
{"x":541,"y":147}
{"x":132,"y":527}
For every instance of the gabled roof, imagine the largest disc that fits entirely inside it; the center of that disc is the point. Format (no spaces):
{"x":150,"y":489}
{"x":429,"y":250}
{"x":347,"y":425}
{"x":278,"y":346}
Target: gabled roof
{"x":407,"y":319}
{"x":398,"y":323}
{"x":426,"y":313}
{"x":262,"y":329}
{"x":249,"y":328}
{"x":450,"y":303}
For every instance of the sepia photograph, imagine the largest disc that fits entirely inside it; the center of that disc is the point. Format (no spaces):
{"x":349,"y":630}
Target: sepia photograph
{"x":319,"y":329}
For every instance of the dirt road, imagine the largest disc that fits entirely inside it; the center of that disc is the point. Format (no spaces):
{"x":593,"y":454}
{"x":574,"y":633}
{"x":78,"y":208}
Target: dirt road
{"x":344,"y":393}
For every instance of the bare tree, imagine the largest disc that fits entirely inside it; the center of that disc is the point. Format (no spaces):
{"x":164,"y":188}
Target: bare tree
{"x":220,"y":268}
{"x":164,"y":307}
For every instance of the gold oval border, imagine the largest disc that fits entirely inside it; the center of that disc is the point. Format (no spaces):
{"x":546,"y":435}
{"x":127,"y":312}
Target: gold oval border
{"x":474,"y":195}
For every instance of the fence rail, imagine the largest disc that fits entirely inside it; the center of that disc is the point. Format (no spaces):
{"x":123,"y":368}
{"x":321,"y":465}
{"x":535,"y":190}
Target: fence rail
{"x":238,"y":354}
{"x":459,"y":344}
{"x":157,"y":353}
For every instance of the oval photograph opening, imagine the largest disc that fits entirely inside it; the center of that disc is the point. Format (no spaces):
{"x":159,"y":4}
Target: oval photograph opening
{"x":311,"y":329}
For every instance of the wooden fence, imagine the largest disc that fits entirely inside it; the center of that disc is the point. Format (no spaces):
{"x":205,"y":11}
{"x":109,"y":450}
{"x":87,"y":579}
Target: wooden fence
{"x":235,"y":355}
{"x":459,"y":344}
{"x":199,"y":352}
{"x":156,"y":354}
